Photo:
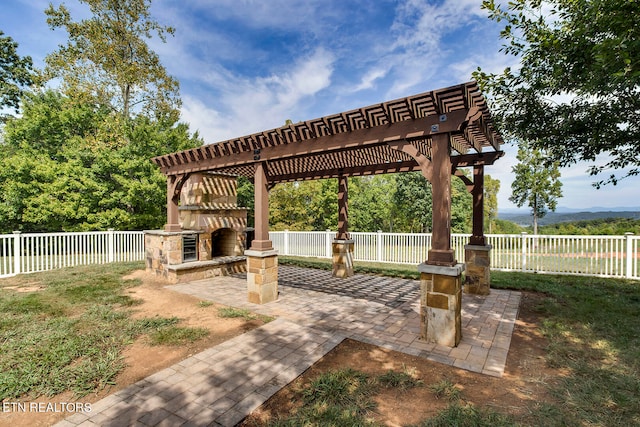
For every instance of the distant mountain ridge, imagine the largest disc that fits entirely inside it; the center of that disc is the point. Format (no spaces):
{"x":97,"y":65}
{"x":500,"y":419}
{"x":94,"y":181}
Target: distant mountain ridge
{"x":523,"y":217}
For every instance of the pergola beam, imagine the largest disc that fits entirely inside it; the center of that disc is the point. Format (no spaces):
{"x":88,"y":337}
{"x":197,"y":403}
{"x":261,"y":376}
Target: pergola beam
{"x":360,"y":138}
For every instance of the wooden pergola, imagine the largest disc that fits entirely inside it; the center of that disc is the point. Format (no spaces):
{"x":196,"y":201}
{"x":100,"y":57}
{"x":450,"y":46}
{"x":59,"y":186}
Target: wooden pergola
{"x":435,"y":132}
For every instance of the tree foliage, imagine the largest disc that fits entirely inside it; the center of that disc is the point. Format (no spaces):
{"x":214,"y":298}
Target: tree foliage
{"x":61,"y":172}
{"x":491,"y":189}
{"x":536,"y":184}
{"x":15,"y":73}
{"x":585,"y":52}
{"x":391,"y":203}
{"x":107,"y":59}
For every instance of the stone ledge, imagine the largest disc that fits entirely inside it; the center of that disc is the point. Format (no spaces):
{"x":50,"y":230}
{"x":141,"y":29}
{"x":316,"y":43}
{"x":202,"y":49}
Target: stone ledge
{"x":260,"y":254}
{"x":171,"y":233}
{"x":455,"y":270}
{"x":478,"y":247}
{"x":208,"y":263}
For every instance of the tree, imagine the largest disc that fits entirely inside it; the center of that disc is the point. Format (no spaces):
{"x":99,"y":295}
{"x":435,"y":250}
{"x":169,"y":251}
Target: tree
{"x":461,"y":207}
{"x":536,"y":184}
{"x":412,"y":203}
{"x":491,"y":189}
{"x":108,"y":61}
{"x":586,"y":52}
{"x":59,"y":172}
{"x":15,"y":73}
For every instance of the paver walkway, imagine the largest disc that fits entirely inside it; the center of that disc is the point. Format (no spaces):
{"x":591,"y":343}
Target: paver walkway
{"x":222,"y":385}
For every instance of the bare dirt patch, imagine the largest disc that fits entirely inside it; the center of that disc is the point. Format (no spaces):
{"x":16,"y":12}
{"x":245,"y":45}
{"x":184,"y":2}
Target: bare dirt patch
{"x":523,"y":385}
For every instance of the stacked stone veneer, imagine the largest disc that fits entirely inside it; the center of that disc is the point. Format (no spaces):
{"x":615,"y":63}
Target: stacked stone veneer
{"x":342,"y":258}
{"x":441,"y":304}
{"x":477,"y":269}
{"x":208,"y":202}
{"x":262,"y":276}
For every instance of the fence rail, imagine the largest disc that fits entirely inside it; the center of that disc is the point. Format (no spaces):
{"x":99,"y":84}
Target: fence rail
{"x":34,"y":252}
{"x":604,"y":256}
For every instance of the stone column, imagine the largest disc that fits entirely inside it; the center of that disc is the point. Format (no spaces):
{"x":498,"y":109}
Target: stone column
{"x":262,"y":259}
{"x":476,"y":253}
{"x":342,"y":245}
{"x":441,"y":304}
{"x":262,"y":276}
{"x":477,"y":269}
{"x":441,"y":275}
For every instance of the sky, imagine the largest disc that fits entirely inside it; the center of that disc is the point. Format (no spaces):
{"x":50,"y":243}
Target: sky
{"x":246,"y":66}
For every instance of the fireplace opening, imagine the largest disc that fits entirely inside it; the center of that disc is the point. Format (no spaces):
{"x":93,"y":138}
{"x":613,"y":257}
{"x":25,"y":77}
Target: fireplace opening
{"x":223,"y":242}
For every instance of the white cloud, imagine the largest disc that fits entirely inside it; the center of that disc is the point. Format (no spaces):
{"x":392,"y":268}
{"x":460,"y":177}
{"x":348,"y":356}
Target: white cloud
{"x":250,"y":105}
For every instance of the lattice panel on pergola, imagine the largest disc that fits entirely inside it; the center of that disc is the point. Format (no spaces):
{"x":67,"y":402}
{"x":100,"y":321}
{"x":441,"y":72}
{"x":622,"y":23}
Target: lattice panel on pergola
{"x":297,"y":151}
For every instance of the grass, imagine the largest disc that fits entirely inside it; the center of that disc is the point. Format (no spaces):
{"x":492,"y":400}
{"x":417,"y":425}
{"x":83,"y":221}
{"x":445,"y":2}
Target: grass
{"x":241,"y":313}
{"x":445,"y":389}
{"x":341,"y":398}
{"x":70,"y":334}
{"x":404,"y":380}
{"x":345,"y":397}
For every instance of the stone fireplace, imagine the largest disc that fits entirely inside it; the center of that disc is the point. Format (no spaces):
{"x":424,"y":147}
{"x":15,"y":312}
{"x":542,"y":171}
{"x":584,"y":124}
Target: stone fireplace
{"x":212,"y":238}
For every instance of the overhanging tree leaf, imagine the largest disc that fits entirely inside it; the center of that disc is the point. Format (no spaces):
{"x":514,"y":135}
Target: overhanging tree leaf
{"x":576,"y":92}
{"x":15,"y":73}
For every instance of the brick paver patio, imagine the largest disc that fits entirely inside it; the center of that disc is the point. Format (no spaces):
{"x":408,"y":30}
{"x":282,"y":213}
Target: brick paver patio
{"x":221,"y":385}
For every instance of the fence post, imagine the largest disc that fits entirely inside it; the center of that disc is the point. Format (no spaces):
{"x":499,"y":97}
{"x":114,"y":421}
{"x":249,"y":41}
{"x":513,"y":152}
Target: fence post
{"x":329,"y":240}
{"x":379,"y":246}
{"x":17,"y":252}
{"x":111,"y":247}
{"x":286,"y":242}
{"x":523,"y":244}
{"x":629,"y":272}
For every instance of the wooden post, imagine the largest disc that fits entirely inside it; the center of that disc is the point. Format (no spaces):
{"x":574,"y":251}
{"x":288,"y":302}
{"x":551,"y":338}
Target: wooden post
{"x":343,"y":208}
{"x":477,"y":235}
{"x":440,"y":252}
{"x":261,"y":241}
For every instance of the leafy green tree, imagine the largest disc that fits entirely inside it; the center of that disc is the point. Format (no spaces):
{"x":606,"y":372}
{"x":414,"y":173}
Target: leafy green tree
{"x":412,"y":203}
{"x":491,"y":189}
{"x":536,"y":184}
{"x":370,"y":202}
{"x":61,"y":172}
{"x":461,"y":207}
{"x":289,"y":205}
{"x":587,"y":51}
{"x":15,"y":73}
{"x":107,"y":59}
{"x":246,"y":198}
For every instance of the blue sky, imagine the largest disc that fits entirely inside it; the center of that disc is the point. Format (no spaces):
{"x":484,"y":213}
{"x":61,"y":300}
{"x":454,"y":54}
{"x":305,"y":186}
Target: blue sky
{"x":249,"y":65}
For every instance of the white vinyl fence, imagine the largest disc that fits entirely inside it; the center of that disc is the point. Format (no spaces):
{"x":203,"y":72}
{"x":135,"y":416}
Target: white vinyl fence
{"x":605,"y":256}
{"x":33,"y":252}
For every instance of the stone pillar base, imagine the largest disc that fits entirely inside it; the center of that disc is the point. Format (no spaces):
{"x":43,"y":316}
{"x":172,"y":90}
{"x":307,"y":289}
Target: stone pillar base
{"x":441,"y":304}
{"x":342,"y":258}
{"x":262,"y":276}
{"x":477,"y":269}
